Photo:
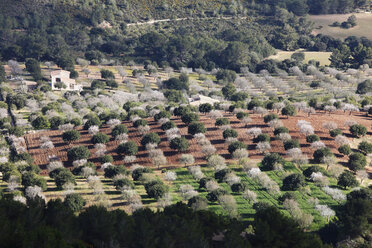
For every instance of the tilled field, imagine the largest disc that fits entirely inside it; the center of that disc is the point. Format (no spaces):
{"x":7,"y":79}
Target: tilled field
{"x":213,"y":133}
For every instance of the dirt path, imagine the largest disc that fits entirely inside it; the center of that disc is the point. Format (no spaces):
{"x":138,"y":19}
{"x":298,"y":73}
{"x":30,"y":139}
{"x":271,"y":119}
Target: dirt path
{"x":184,"y":18}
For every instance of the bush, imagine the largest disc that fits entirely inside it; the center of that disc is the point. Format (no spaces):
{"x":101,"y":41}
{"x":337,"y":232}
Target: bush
{"x":238,"y":187}
{"x":197,"y":202}
{"x":280,"y":130}
{"x":357,"y":161}
{"x":287,"y":195}
{"x":113,"y":170}
{"x":122,"y":182}
{"x":203,"y":182}
{"x":128,"y":148}
{"x":290,"y":144}
{"x":263,"y":137}
{"x":213,"y":196}
{"x":93,"y":120}
{"x":230,"y":133}
{"x":270,"y":117}
{"x":222,"y":122}
{"x":179,"y":143}
{"x":137,"y":173}
{"x":119,"y":129}
{"x":100,"y":138}
{"x":70,"y":136}
{"x":344,"y":149}
{"x":364,"y":87}
{"x":152,"y":138}
{"x":196,"y":127}
{"x":168,"y":125}
{"x":77,"y":153}
{"x":235,"y":146}
{"x":162,"y":114}
{"x":321,"y":153}
{"x":312,"y":138}
{"x":107,"y":74}
{"x":156,"y":189}
{"x":205,"y":108}
{"x":270,"y":160}
{"x":30,"y":178}
{"x":75,"y":202}
{"x":347,"y":179}
{"x":358,"y":130}
{"x":55,"y":122}
{"x":294,"y":182}
{"x":107,"y":159}
{"x":241,"y":115}
{"x":56,"y":171}
{"x":310,"y":170}
{"x":189,"y":117}
{"x":335,"y":132}
{"x":365,"y":147}
{"x":140,"y":122}
{"x":254,"y":103}
{"x":289,"y":110}
{"x":40,"y":122}
{"x":65,"y":176}
{"x":220,"y":175}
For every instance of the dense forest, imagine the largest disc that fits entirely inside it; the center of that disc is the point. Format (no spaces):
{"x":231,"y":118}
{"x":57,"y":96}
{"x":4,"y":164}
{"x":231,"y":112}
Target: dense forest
{"x":62,"y":31}
{"x":55,"y":225}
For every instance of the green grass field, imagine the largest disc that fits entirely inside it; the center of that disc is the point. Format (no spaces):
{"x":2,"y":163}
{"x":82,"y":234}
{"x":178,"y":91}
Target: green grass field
{"x":363,"y":27}
{"x":322,"y":57}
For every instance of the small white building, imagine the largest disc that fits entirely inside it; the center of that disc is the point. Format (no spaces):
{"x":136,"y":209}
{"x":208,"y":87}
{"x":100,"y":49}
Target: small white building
{"x":200,"y":99}
{"x":64,"y":77}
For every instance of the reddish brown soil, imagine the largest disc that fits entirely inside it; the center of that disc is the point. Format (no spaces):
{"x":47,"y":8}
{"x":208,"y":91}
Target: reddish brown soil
{"x":213,"y":134}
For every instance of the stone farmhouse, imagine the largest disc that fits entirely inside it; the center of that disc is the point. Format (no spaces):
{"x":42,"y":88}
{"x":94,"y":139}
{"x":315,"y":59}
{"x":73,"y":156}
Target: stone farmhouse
{"x":62,"y":76}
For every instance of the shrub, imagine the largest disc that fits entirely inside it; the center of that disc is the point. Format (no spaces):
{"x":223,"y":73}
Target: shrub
{"x":236,"y":145}
{"x":107,"y":159}
{"x":119,"y":129}
{"x":189,"y":117}
{"x":289,"y":110}
{"x":344,"y":149}
{"x":40,"y":122}
{"x":280,"y":130}
{"x":290,"y":144}
{"x":75,"y":202}
{"x":162,"y":114}
{"x":156,"y":189}
{"x":358,"y":130}
{"x":70,"y":136}
{"x":196,"y":127}
{"x":92,"y":120}
{"x":220,"y":175}
{"x":365,"y":147}
{"x":293,"y":182}
{"x":123,"y":182}
{"x":137,"y":173}
{"x":64,"y":177}
{"x":112,"y":170}
{"x":270,"y":117}
{"x":55,"y":122}
{"x":238,"y":187}
{"x":321,"y":153}
{"x":241,"y":115}
{"x":100,"y":138}
{"x":168,"y":125}
{"x":77,"y":153}
{"x":197,"y":203}
{"x":30,"y":178}
{"x":263,"y":137}
{"x":179,"y":143}
{"x":230,"y":133}
{"x":213,"y":196}
{"x":270,"y":160}
{"x":152,"y":138}
{"x":312,"y":169}
{"x":107,"y":74}
{"x":205,"y":108}
{"x":312,"y":138}
{"x":347,"y":179}
{"x":140,"y":122}
{"x":222,"y":122}
{"x":364,"y":87}
{"x":287,"y":195}
{"x":335,"y":132}
{"x":357,"y":161}
{"x":128,"y":148}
